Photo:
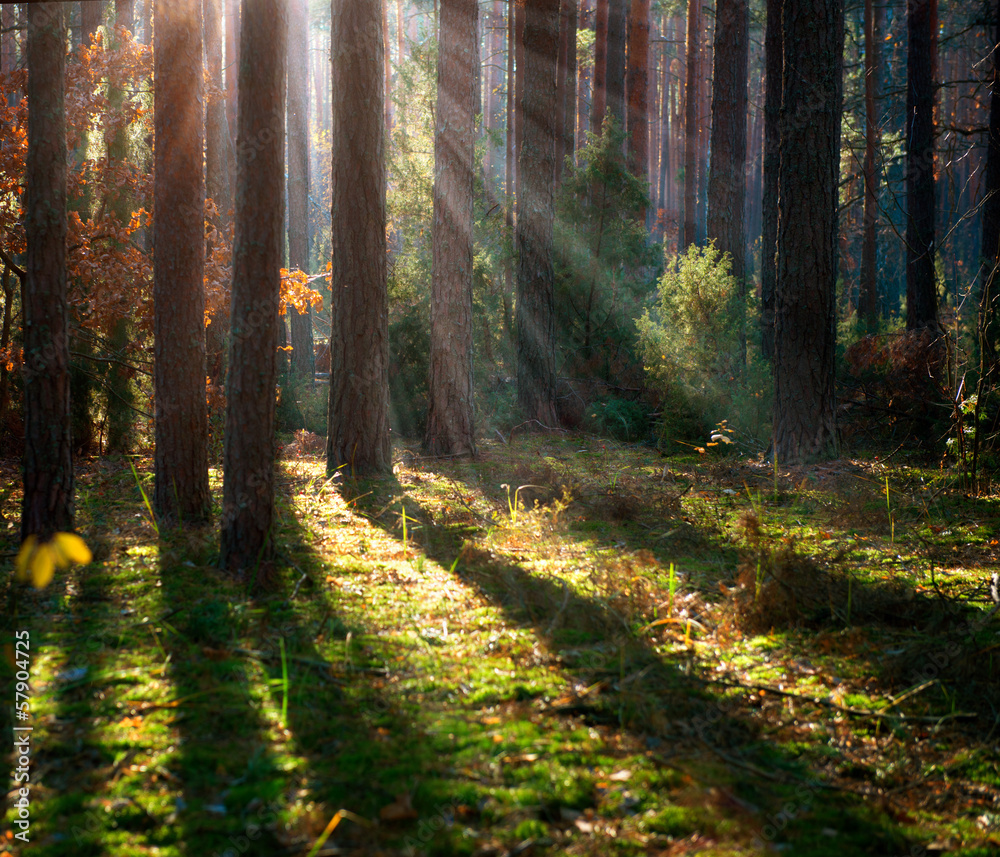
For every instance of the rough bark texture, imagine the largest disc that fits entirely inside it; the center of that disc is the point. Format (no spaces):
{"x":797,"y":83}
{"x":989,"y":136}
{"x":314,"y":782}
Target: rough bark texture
{"x":773,"y":60}
{"x":47,"y":505}
{"x":569,"y":126}
{"x":358,"y":438}
{"x":125,"y":14}
{"x":868,"y":310}
{"x":91,"y":12}
{"x":637,"y":86}
{"x":598,"y":98}
{"x":921,"y":292}
{"x":181,"y":489}
{"x":805,"y":332}
{"x":300,"y":324}
{"x":450,"y":413}
{"x":989,"y":318}
{"x":248,"y":482}
{"x":727,"y":175}
{"x":534,"y":237}
{"x":689,"y":228}
{"x":614,"y":83}
{"x":562,"y":83}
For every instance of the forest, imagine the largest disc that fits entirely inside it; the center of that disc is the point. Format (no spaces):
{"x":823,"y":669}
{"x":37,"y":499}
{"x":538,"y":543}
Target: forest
{"x":500,"y":427}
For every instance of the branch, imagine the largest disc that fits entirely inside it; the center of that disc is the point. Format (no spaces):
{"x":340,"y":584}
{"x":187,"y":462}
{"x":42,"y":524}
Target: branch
{"x":7,"y":260}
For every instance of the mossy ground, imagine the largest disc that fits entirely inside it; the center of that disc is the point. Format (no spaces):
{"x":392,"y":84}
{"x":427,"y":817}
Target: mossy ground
{"x":566,"y":646}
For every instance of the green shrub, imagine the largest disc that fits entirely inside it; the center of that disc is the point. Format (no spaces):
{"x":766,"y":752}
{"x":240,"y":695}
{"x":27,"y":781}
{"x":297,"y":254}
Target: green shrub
{"x":619,"y":418}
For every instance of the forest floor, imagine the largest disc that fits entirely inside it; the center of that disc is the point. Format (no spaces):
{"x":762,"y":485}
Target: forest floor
{"x":567,"y":646}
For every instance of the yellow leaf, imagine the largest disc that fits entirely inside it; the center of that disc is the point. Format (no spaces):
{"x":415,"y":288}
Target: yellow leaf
{"x":24,"y":557}
{"x":71,"y":548}
{"x":43,"y":566}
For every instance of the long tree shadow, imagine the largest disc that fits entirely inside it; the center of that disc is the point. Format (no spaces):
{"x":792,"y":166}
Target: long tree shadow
{"x":626,"y":683}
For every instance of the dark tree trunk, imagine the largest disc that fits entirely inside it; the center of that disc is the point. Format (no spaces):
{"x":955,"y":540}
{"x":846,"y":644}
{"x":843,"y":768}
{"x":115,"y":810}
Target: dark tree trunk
{"x":989,"y":282}
{"x":47,"y":505}
{"x":181,"y":491}
{"x":727,"y":177}
{"x":805,"y":323}
{"x":689,"y":229}
{"x":217,"y":138}
{"x":562,"y":84}
{"x":569,"y":128}
{"x":449,"y":418}
{"x":614,"y":83}
{"x":91,"y":12}
{"x":773,"y":60}
{"x":868,"y":308}
{"x":248,"y":482}
{"x":599,"y":92}
{"x":300,"y":324}
{"x":535,"y":275}
{"x":921,"y":291}
{"x":359,"y":340}
{"x":637,"y":84}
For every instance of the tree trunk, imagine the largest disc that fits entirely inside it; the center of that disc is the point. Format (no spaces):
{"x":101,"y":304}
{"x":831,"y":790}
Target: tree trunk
{"x":562,"y":84}
{"x":637,"y":85}
{"x":450,"y":414}
{"x":232,"y":70}
{"x":300,"y":324}
{"x":989,"y":318}
{"x":217,"y":138}
{"x":689,"y":230}
{"x":727,"y":177}
{"x":181,"y":491}
{"x":868,"y":309}
{"x":248,"y":455}
{"x":534,"y":236}
{"x":773,"y":61}
{"x":805,"y":323}
{"x":91,"y":13}
{"x":599,"y":93}
{"x":569,"y":128}
{"x":614,"y":83}
{"x":359,"y":340}
{"x":921,"y":291}
{"x":47,"y":505}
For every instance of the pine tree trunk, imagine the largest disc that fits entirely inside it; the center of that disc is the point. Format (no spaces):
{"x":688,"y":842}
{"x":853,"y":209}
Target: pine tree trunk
{"x":989,"y":282}
{"x":689,"y":230}
{"x":805,"y":323}
{"x":921,"y":290}
{"x":773,"y":61}
{"x":300,"y":324}
{"x":637,"y":84}
{"x":248,"y":456}
{"x":614,"y":83}
{"x":358,"y":438}
{"x":868,"y":309}
{"x":599,"y":93}
{"x":91,"y":12}
{"x":449,"y":417}
{"x":217,"y":137}
{"x":181,"y":490}
{"x":534,"y":234}
{"x":47,"y":505}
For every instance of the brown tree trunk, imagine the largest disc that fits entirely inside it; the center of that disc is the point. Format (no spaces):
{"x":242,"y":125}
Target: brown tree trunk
{"x":449,"y":417}
{"x":637,"y":84}
{"x":300,"y":324}
{"x":47,"y":505}
{"x":689,"y":230}
{"x":217,"y":137}
{"x":232,"y":69}
{"x":561,"y":87}
{"x":91,"y":13}
{"x":727,"y":177}
{"x":989,"y":317}
{"x":248,"y":455}
{"x":868,"y":310}
{"x":704,"y":130}
{"x":534,"y":234}
{"x":358,"y":438}
{"x":921,"y":290}
{"x":805,"y":322}
{"x":773,"y":61}
{"x":614,"y":83}
{"x":569,"y":127}
{"x":181,"y":490}
{"x":125,"y":14}
{"x":599,"y":93}
{"x":8,"y":43}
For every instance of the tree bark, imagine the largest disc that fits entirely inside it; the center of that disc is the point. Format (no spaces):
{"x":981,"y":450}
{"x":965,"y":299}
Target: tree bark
{"x":637,"y":85}
{"x":614,"y":83}
{"x":217,"y":138}
{"x":868,"y":309}
{"x":181,"y":492}
{"x":773,"y":62}
{"x":300,"y":324}
{"x":921,"y":289}
{"x":689,"y":229}
{"x":727,"y":175}
{"x":989,"y":318}
{"x":248,"y":455}
{"x":805,"y":324}
{"x":598,"y":98}
{"x":450,"y":413}
{"x":47,"y":505}
{"x":91,"y":13}
{"x":534,"y":235}
{"x":358,"y":438}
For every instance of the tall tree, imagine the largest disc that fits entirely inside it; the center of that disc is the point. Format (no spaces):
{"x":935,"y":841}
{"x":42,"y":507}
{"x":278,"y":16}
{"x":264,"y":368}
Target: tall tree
{"x":727,"y":174}
{"x":217,"y":136}
{"x":449,"y":417}
{"x":805,"y":323}
{"x":300,"y":323}
{"x":91,"y":12}
{"x":599,"y":96}
{"x":181,"y":489}
{"x":536,"y":380}
{"x":47,"y":505}
{"x":868,"y":310}
{"x":615,"y":79}
{"x":688,"y":234}
{"x":637,"y":85}
{"x":921,"y":291}
{"x":248,"y":453}
{"x":989,"y":304}
{"x":358,"y":438}
{"x":773,"y":62}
